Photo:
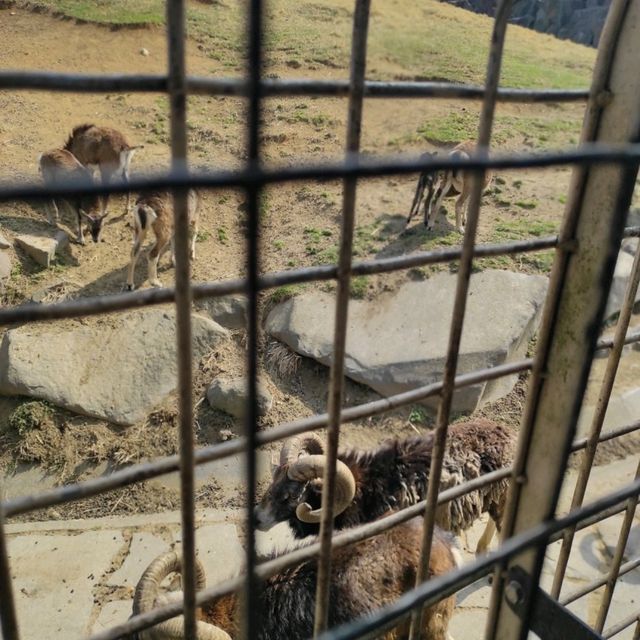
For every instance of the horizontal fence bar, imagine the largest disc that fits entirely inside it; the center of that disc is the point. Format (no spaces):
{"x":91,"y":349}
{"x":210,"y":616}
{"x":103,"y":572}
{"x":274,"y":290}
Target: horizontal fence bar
{"x":149,"y":470}
{"x":607,"y":435}
{"x":621,"y":626}
{"x":600,"y":582}
{"x":106,"y":83}
{"x":353,"y":166}
{"x":170,"y":464}
{"x":119,"y":302}
{"x":428,"y":593}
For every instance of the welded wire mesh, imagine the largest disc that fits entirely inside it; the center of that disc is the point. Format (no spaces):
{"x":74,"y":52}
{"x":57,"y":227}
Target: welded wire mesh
{"x":252,"y":178}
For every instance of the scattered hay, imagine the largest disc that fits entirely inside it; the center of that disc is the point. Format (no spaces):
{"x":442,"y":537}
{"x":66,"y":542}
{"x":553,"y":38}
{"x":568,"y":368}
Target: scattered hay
{"x":281,"y":360}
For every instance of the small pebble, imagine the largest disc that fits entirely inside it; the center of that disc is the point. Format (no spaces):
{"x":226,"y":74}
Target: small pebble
{"x":144,"y":52}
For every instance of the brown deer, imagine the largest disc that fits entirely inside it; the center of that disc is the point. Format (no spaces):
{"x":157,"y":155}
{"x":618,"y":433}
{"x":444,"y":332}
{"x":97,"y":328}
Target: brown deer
{"x":155,"y":210}
{"x":104,"y":148}
{"x":447,"y":184}
{"x":59,"y":165}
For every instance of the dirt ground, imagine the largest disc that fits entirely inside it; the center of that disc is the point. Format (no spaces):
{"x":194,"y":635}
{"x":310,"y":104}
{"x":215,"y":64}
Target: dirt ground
{"x":300,"y":227}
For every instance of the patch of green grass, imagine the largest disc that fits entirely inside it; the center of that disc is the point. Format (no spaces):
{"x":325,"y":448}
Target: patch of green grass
{"x":524,"y":228}
{"x":418,"y":415}
{"x":223,"y":238}
{"x":113,"y":12}
{"x":278,"y":245}
{"x":285,"y":292}
{"x":29,"y":416}
{"x":562,"y":199}
{"x":526,"y":204}
{"x":454,"y":127}
{"x":358,"y":288}
{"x":203,"y":236}
{"x":541,"y":261}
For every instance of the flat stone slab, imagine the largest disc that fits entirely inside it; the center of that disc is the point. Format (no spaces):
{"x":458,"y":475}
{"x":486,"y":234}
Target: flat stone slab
{"x":399,"y":341}
{"x":229,"y":311}
{"x":43,"y":249}
{"x":4,"y":243}
{"x":144,"y":548}
{"x":5,"y":266}
{"x":54,"y":576}
{"x":117,"y":370}
{"x":230,"y":395}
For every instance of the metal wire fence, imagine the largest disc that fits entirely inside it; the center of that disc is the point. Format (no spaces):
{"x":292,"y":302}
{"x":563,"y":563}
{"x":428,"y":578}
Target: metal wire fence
{"x":606,"y":166}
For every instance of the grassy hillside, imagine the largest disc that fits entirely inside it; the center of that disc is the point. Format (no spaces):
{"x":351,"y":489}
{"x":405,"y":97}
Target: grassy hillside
{"x":408,"y":40}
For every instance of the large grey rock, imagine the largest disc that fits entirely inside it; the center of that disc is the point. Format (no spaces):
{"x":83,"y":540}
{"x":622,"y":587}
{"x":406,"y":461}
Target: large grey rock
{"x":43,"y":248}
{"x":230,"y":396}
{"x":229,"y":311}
{"x":116,"y":370}
{"x":399,"y":341}
{"x":621,"y":277}
{"x":5,"y":267}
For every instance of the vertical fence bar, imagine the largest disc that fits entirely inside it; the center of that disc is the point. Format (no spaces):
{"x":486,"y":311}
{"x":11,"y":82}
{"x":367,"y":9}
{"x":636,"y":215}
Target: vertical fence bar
{"x":598,"y":419}
{"x":250,"y":607}
{"x":612,"y":578}
{"x":336,"y":384}
{"x":178,"y":110}
{"x":592,"y":230}
{"x":8,"y":620}
{"x":462,"y":287}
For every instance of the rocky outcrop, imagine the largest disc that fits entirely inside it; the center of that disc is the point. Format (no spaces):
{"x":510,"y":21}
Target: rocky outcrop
{"x":577,"y":20}
{"x":399,"y":342}
{"x":116,"y":369}
{"x":230,"y":396}
{"x":43,"y":249}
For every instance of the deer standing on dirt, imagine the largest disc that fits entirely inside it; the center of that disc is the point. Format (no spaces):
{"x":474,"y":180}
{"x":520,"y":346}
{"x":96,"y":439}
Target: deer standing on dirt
{"x":447,"y":184}
{"x":60,"y":165}
{"x":155,"y":210}
{"x":104,"y":148}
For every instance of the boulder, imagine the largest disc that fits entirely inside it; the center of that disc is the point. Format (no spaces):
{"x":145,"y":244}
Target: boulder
{"x":117,"y":368}
{"x":5,"y":267}
{"x":229,"y":311}
{"x":399,"y":341}
{"x":621,"y":277}
{"x":230,"y":396}
{"x":43,"y":248}
{"x":4,"y":243}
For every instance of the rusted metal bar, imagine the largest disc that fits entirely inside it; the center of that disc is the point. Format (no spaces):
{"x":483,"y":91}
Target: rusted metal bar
{"x":614,"y":570}
{"x":250,"y":610}
{"x":594,"y":219}
{"x":107,"y":83}
{"x":596,"y":584}
{"x":178,"y":118}
{"x":625,"y":623}
{"x":460,"y":301}
{"x":149,"y":470}
{"x":598,"y":419}
{"x":8,"y":619}
{"x":336,"y":383}
{"x":588,"y":154}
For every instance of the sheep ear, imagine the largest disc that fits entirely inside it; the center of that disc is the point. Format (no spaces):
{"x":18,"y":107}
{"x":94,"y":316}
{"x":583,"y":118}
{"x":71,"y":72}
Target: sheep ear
{"x":84,"y":214}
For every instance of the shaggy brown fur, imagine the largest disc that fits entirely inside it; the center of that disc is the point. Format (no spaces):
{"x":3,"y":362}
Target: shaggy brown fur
{"x":105,"y":148}
{"x":60,"y":165}
{"x":365,"y":577}
{"x":155,"y":210}
{"x":395,"y":475}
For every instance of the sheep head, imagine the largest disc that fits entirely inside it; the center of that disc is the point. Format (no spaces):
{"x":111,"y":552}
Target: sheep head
{"x":148,"y":597}
{"x":297,"y":482}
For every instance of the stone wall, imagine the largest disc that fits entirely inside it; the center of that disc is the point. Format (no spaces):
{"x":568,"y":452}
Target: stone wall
{"x":577,"y":20}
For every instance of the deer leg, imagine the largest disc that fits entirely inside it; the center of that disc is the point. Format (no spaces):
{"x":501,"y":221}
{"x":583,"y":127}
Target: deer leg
{"x":486,"y":537}
{"x":441,"y":190}
{"x":138,"y":238}
{"x":461,"y":211}
{"x":53,"y":219}
{"x":417,"y":198}
{"x":125,"y":179}
{"x":80,"y":233}
{"x":154,"y":256}
{"x":427,"y":204}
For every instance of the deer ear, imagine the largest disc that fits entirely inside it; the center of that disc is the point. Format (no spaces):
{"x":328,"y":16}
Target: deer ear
{"x":84,"y":214}
{"x":103,"y":215}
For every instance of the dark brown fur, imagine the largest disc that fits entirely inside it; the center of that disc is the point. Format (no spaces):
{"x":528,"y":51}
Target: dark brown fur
{"x":394,"y":476}
{"x":365,"y":576}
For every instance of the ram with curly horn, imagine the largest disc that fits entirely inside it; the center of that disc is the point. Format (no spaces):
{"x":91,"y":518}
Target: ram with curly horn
{"x":365,"y":576}
{"x":393,"y":476}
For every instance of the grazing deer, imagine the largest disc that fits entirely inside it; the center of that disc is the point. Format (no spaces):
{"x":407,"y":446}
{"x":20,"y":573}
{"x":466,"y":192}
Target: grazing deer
{"x":155,"y":210}
{"x":104,"y":148}
{"x":61,"y":165}
{"x":453,"y":182}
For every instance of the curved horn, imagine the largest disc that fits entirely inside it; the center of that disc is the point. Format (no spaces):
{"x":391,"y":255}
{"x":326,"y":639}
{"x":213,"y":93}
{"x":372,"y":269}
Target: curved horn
{"x":147,"y":597}
{"x":293,"y":447}
{"x":312,"y":468}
